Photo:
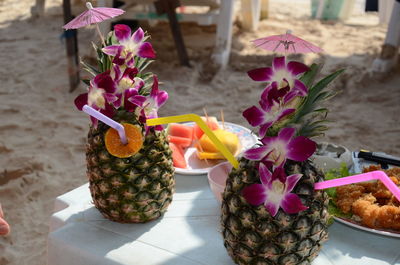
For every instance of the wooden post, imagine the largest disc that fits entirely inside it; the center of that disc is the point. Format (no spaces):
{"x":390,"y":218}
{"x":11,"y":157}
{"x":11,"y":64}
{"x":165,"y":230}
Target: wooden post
{"x":72,"y":49}
{"x":168,"y":6}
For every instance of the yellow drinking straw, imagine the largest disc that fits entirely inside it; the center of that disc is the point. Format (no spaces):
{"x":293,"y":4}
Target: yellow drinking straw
{"x":196,"y":118}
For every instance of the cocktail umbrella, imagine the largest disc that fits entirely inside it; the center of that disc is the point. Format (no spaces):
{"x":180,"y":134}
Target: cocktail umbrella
{"x":93,"y":16}
{"x":286,"y":43}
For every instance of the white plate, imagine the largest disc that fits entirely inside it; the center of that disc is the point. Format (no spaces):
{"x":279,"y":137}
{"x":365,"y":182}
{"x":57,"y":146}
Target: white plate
{"x":354,"y":224}
{"x":198,"y":167}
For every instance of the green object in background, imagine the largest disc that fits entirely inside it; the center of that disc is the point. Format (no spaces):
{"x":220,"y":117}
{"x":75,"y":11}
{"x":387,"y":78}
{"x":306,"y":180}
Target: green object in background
{"x":331,"y":11}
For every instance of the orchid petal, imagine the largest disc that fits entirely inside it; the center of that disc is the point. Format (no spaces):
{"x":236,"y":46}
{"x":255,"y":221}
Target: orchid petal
{"x":261,"y":74}
{"x":104,"y":81}
{"x":111,"y":98}
{"x":264,"y":128}
{"x":300,"y":87}
{"x":301,"y":148}
{"x":291,"y":181}
{"x":254,"y":116}
{"x":256,"y":153}
{"x":81,"y":100}
{"x":113,"y":50}
{"x":265,"y":174}
{"x":279,"y":173}
{"x":271,"y":207}
{"x":138,"y":35}
{"x":122,"y":32}
{"x":285,"y":113}
{"x":286,"y":134}
{"x":117,"y":72}
{"x":254,"y":194}
{"x":279,"y":63}
{"x":297,"y":68}
{"x":291,"y":204}
{"x":138,"y":100}
{"x":289,"y":96}
{"x":146,"y":51}
{"x":162,"y":97}
{"x":131,"y":62}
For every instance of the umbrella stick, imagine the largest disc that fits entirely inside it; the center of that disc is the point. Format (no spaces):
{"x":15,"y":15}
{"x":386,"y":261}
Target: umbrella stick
{"x":101,"y":35}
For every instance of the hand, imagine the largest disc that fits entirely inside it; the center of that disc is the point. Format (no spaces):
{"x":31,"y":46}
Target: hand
{"x":4,"y":226}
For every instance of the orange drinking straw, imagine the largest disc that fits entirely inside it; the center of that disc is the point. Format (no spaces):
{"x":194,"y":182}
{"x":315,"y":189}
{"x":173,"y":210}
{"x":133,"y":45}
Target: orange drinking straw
{"x":196,"y":118}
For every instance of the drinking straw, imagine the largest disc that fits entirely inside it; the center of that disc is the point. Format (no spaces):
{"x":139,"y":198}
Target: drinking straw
{"x":378,"y":174}
{"x":196,"y":118}
{"x":113,"y":124}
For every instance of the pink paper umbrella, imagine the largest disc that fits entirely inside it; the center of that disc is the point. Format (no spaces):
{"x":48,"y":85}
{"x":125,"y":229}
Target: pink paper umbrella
{"x":286,"y":43}
{"x":373,"y":175}
{"x":93,"y":16}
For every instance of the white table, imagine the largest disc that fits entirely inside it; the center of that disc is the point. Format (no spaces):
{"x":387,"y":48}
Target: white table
{"x":187,"y":234}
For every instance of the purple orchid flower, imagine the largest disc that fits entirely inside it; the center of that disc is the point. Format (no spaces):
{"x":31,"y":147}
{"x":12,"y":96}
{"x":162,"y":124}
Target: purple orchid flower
{"x":100,"y":95}
{"x":284,"y":75}
{"x":129,"y":46}
{"x":274,"y":191}
{"x":277,"y":149}
{"x":127,"y":85}
{"x":153,"y":102}
{"x":271,"y":111}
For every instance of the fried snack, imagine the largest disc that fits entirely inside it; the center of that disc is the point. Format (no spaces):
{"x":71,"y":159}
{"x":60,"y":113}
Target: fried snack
{"x":372,"y":202}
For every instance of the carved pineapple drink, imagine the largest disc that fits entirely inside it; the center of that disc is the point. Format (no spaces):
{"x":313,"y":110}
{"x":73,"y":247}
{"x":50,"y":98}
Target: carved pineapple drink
{"x":271,"y":213}
{"x":133,"y":182}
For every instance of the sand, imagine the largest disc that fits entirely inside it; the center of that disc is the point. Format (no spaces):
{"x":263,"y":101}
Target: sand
{"x":42,"y":135}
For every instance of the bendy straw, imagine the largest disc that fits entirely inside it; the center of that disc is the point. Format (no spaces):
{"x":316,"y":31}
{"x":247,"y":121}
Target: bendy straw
{"x":378,"y":174}
{"x":113,"y":124}
{"x":196,"y":118}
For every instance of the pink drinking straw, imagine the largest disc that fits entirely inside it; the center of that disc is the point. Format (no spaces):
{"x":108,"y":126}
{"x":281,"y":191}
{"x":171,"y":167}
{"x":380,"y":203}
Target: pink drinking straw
{"x":113,"y":124}
{"x":360,"y":178}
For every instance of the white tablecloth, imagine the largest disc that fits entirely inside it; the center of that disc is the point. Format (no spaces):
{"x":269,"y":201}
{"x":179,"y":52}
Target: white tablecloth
{"x":188,"y":233}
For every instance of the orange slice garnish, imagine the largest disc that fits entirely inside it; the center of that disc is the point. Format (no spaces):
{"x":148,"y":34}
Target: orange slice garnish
{"x":116,"y":148}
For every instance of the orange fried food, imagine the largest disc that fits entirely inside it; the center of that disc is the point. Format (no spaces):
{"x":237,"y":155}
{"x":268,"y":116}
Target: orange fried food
{"x":376,"y":216}
{"x":372,"y":202}
{"x":116,"y":148}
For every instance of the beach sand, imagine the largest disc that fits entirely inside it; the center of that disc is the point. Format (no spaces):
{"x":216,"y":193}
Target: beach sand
{"x":43,"y":136}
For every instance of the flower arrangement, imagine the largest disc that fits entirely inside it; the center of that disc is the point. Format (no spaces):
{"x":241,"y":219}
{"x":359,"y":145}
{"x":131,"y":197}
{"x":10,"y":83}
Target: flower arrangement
{"x":130,"y":182}
{"x":120,"y":83}
{"x":271,"y":213}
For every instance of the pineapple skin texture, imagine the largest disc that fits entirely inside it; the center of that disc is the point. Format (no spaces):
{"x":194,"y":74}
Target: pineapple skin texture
{"x":252,"y":236}
{"x":136,"y":189}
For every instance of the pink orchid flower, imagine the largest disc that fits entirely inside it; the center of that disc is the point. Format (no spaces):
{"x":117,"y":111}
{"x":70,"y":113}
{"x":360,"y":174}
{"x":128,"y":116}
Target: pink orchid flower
{"x":100,"y":95}
{"x":284,"y":75}
{"x":275,"y":150}
{"x":274,"y":191}
{"x":271,"y":111}
{"x":128,"y":86}
{"x":129,"y":46}
{"x":152,"y":103}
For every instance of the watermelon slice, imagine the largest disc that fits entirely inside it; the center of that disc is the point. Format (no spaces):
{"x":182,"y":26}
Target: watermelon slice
{"x":211,"y":122}
{"x":182,"y":142}
{"x":180,"y":130}
{"x":178,"y":156}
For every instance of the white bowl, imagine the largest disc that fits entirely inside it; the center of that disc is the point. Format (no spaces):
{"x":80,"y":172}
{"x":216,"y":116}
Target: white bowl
{"x":217,"y":178}
{"x":329,"y":156}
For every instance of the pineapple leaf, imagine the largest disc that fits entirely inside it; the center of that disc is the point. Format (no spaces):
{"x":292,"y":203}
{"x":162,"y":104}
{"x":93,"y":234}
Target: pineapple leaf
{"x":316,"y":89}
{"x":90,"y":69}
{"x":86,"y":81}
{"x":309,"y":77}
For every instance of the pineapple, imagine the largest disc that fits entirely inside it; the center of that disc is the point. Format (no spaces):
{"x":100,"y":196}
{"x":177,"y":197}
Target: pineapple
{"x":134,"y":189}
{"x":267,"y":218}
{"x":128,"y":184}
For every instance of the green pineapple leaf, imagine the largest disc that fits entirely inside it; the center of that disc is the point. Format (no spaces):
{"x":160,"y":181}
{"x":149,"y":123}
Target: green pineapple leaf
{"x":86,"y":81}
{"x":309,"y":77}
{"x":90,"y":69}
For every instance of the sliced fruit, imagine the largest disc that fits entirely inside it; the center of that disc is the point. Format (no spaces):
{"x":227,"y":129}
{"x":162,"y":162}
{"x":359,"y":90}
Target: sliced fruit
{"x":206,"y":146}
{"x":116,"y":148}
{"x":208,"y":155}
{"x":211,"y":122}
{"x":178,"y":157}
{"x":180,"y":141}
{"x":180,"y":130}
